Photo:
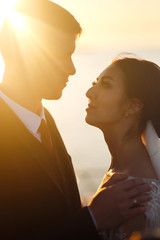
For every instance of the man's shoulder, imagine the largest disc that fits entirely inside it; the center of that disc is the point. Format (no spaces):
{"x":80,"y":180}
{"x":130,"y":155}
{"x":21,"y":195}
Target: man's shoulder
{"x":50,"y":119}
{"x":48,"y":115}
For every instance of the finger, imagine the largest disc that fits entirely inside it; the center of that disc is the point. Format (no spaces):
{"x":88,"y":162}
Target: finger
{"x":138,"y":185}
{"x":115,"y":178}
{"x":135,"y":211}
{"x":140,"y":200}
{"x":132,"y":183}
{"x":138,"y":190}
{"x":134,"y":202}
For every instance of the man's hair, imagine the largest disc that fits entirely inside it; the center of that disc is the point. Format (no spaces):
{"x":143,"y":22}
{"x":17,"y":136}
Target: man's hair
{"x":50,"y":13}
{"x":40,"y":11}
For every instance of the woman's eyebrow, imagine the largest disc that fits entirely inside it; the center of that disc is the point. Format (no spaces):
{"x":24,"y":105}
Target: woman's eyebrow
{"x":105,"y":77}
{"x":108,"y":77}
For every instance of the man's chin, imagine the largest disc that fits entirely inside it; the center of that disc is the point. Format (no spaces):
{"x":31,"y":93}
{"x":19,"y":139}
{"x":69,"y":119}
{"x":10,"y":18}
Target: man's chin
{"x":55,"y":96}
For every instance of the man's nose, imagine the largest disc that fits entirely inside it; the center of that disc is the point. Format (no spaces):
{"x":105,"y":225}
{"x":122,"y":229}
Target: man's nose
{"x":72,"y":69}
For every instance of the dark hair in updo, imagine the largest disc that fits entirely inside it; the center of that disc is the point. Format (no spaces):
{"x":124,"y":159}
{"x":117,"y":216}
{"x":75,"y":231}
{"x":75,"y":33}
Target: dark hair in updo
{"x":142,"y":81}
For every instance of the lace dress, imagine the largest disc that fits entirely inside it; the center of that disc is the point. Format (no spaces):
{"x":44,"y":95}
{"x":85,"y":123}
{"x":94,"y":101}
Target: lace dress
{"x":152,"y":215}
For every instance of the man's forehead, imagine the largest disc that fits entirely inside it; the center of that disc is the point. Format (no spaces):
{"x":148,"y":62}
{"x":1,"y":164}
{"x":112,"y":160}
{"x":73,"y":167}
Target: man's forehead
{"x":60,"y":39}
{"x":48,"y":34}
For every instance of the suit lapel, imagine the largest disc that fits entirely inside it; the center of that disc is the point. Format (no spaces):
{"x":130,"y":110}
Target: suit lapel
{"x":43,"y":158}
{"x":63,"y":178}
{"x":64,"y":165}
{"x":23,"y":138}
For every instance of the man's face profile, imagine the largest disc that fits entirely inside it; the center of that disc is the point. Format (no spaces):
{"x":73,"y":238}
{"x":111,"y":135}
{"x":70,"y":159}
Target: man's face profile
{"x":49,"y":61}
{"x":43,"y":57}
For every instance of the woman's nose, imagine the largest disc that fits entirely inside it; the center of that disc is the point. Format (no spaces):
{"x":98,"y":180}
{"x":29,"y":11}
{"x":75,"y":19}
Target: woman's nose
{"x":90,"y":93}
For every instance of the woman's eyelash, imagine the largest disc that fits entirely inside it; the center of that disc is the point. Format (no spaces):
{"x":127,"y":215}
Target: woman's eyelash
{"x":93,"y":83}
{"x":104,"y":83}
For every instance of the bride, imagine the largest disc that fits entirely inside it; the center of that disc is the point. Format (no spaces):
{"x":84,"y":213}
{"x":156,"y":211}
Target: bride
{"x":124,"y":103}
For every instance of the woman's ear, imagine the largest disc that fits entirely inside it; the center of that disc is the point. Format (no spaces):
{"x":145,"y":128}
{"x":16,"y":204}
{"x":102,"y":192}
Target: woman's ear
{"x":134,"y":106}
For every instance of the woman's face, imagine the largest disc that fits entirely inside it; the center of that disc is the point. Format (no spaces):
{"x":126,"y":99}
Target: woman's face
{"x":107,"y":98}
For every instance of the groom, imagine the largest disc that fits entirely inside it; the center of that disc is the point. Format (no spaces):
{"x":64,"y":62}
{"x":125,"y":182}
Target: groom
{"x":39,"y":198}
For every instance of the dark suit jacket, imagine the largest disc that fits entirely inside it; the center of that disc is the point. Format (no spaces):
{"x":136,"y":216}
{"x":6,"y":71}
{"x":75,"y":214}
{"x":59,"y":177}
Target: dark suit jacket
{"x":39,"y":198}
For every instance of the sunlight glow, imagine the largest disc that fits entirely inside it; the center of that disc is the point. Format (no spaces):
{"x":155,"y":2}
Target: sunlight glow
{"x":28,"y":41}
{"x":6,"y":10}
{"x":16,"y":20}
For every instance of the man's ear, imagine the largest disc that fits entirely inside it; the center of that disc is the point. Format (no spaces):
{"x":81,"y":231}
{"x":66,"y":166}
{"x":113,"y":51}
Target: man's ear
{"x":134,"y":106}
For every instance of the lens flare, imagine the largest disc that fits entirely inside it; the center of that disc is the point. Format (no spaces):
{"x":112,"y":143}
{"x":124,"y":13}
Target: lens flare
{"x":16,"y":20}
{"x":7,"y":10}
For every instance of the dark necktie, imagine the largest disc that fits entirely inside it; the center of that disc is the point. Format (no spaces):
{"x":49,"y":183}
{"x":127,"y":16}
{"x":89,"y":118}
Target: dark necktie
{"x":45,"y":135}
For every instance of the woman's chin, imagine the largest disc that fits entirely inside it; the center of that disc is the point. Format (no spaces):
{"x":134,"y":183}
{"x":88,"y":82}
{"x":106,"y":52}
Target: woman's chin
{"x":89,"y":121}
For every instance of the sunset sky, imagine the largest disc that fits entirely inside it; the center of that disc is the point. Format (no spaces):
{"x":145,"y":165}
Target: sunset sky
{"x":113,"y":23}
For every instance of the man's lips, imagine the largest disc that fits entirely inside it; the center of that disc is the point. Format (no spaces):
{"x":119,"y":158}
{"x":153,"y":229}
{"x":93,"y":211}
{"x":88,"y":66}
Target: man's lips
{"x":64,"y":82}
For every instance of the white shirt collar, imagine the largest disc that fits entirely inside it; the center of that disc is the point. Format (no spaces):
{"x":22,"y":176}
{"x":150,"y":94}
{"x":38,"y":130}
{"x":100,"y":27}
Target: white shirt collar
{"x":31,"y":120}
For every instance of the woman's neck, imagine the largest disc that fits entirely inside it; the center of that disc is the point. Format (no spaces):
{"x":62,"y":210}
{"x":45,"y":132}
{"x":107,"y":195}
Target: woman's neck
{"x":129,"y":154}
{"x":126,"y":154}
{"x":120,"y":138}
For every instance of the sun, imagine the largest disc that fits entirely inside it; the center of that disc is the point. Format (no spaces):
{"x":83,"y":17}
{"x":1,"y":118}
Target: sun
{"x":7,"y":10}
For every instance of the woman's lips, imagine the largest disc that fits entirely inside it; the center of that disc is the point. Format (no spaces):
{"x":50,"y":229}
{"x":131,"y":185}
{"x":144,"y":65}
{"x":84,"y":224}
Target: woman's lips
{"x":90,"y":107}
